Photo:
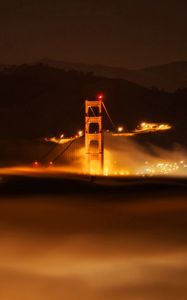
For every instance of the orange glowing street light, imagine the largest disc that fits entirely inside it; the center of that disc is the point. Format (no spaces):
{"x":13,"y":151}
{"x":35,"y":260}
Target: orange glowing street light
{"x":120,"y":129}
{"x":80,"y":133}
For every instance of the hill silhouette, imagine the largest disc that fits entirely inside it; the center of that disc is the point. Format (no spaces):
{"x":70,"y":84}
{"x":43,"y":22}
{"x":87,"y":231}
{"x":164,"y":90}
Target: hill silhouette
{"x":168,"y":77}
{"x":39,"y":100}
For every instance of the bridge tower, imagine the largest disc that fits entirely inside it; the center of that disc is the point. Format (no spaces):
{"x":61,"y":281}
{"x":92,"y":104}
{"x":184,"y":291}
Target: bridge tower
{"x":94,"y":142}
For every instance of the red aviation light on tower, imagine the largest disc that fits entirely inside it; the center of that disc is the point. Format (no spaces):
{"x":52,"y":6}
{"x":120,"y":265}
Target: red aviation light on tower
{"x":100,"y":97}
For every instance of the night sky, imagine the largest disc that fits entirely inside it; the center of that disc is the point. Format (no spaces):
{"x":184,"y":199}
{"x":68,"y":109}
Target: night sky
{"x":126,"y":33}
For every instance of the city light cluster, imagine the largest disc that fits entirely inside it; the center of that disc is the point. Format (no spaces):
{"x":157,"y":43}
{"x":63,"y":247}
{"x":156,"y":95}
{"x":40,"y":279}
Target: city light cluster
{"x":152,"y":127}
{"x":162,"y":168}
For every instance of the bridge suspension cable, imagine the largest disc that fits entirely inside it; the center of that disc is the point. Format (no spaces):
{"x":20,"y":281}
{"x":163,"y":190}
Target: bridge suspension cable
{"x":109,"y":117}
{"x":44,"y":157}
{"x":63,"y":151}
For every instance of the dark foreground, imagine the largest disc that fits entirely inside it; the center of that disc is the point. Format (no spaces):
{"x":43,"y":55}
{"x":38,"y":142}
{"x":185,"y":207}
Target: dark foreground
{"x":58,"y":183}
{"x":75,"y":239}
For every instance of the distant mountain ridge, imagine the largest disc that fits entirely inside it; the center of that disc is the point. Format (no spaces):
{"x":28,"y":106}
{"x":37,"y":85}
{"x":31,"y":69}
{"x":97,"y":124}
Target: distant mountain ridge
{"x":169,"y":77}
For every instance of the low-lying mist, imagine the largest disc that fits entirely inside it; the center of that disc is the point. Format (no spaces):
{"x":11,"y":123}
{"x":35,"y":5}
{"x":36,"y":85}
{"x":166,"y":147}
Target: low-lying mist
{"x":123,"y":156}
{"x":129,"y":157}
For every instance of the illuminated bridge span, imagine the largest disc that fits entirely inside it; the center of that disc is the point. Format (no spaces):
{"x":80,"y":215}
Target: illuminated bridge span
{"x":91,"y":140}
{"x":89,"y":144}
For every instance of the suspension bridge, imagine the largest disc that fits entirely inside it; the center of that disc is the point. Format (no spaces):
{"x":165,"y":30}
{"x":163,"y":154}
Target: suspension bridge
{"x":67,"y":150}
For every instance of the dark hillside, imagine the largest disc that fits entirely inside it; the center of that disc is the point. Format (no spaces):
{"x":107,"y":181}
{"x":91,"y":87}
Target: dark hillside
{"x":38,"y":101}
